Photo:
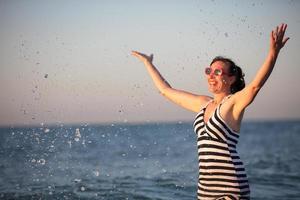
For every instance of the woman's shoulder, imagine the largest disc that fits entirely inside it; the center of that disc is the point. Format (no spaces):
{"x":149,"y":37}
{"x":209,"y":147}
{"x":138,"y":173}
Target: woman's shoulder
{"x":228,"y":102}
{"x":204,"y":101}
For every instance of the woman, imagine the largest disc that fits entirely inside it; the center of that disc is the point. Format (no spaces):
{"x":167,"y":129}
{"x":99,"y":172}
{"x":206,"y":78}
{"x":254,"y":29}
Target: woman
{"x":217,"y":125}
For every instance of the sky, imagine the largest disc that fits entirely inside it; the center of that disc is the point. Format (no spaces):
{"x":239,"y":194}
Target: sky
{"x":69,"y":61}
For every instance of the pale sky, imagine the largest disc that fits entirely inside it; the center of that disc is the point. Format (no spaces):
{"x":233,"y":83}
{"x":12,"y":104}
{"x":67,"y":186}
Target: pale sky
{"x":70,"y":62}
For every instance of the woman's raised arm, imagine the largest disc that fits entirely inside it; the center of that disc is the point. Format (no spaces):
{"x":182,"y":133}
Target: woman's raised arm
{"x":244,"y":97}
{"x":185,"y":99}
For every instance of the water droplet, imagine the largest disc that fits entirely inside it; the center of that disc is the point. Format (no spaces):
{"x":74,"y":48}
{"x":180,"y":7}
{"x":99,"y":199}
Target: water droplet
{"x":70,"y":144}
{"x":77,"y":135}
{"x":97,"y":173}
{"x":41,"y":161}
{"x":82,"y":188}
{"x":77,"y":180}
{"x":47,"y":130}
{"x":51,"y":148}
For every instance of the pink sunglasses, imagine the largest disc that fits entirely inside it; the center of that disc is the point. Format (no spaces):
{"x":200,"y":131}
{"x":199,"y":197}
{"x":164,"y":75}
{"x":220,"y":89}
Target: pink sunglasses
{"x":216,"y":72}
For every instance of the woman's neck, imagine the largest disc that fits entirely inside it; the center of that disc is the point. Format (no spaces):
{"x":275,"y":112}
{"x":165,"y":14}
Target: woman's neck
{"x":218,"y":98}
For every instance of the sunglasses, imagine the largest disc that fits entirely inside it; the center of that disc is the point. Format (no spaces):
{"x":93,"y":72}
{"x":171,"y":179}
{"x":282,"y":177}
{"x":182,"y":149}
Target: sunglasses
{"x":216,"y":72}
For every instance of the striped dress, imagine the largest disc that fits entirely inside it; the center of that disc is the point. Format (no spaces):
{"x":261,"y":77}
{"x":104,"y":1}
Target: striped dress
{"x":221,"y":172}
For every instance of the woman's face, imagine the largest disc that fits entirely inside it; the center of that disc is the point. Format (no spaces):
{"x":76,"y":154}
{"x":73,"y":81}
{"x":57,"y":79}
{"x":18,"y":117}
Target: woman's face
{"x":219,"y":80}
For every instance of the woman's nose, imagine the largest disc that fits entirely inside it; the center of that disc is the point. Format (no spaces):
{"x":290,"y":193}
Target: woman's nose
{"x":211,"y":75}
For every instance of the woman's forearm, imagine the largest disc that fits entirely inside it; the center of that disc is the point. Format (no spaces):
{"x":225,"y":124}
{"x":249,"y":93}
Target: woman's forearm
{"x":157,"y":78}
{"x":265,"y":70}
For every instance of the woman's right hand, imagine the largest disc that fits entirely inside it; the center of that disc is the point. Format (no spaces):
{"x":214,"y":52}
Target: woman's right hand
{"x":184,"y":99}
{"x":142,"y":57}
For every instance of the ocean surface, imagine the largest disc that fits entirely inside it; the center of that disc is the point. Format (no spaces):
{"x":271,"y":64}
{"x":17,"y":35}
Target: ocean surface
{"x":155,"y":161}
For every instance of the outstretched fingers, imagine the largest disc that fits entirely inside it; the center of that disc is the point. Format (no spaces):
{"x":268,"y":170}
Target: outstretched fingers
{"x":282,"y":30}
{"x":284,"y":41}
{"x":141,"y":56}
{"x":282,"y":33}
{"x":277,"y":36}
{"x":136,"y":53}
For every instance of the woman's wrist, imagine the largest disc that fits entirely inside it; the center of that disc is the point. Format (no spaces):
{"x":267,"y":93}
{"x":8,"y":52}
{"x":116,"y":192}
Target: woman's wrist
{"x":147,"y":62}
{"x":273,"y":53}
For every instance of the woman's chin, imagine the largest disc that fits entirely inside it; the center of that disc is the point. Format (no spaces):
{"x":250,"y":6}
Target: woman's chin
{"x":214,"y":90}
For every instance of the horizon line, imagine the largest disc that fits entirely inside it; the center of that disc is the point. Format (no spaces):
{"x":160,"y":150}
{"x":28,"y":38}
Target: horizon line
{"x":133,"y":123}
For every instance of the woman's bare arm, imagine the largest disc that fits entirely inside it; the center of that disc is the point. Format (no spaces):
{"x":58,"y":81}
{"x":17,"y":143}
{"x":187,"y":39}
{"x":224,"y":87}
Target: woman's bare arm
{"x":185,"y":99}
{"x":244,"y":97}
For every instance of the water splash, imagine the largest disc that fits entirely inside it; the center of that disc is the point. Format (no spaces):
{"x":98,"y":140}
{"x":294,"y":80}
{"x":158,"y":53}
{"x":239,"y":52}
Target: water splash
{"x":77,"y":135}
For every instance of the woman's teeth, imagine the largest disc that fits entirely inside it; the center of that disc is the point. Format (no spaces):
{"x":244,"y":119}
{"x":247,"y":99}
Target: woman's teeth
{"x":212,"y":82}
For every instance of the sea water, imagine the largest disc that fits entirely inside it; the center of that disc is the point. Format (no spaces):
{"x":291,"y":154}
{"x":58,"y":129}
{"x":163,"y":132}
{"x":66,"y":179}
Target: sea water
{"x":156,"y":161}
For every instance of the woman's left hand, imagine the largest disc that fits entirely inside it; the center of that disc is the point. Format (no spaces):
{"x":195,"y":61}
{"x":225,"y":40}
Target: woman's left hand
{"x":277,"y":38}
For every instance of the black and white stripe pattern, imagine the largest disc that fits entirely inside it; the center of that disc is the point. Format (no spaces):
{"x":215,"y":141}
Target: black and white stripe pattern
{"x":221,"y":172}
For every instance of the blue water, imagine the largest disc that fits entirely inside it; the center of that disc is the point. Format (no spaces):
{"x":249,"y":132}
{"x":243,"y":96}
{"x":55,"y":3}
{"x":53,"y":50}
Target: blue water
{"x":144,"y":161}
